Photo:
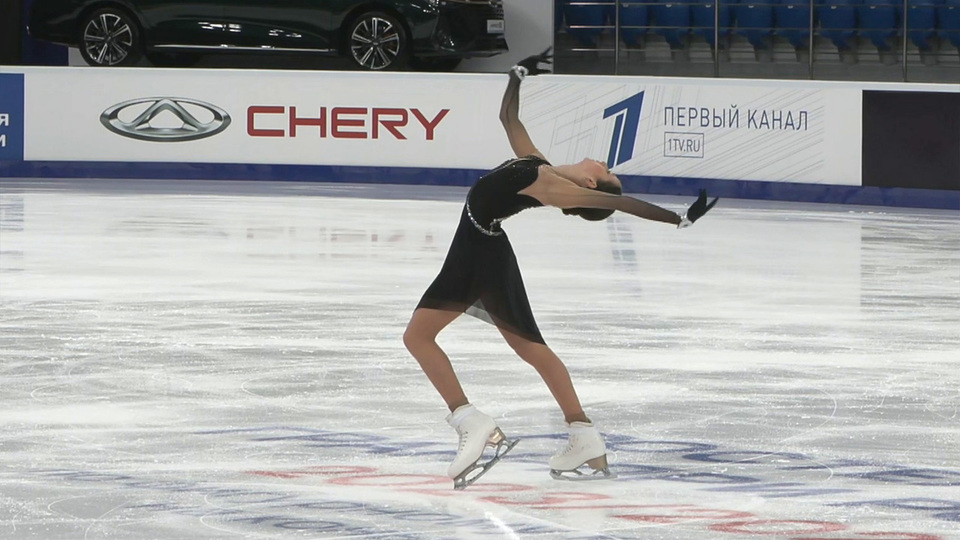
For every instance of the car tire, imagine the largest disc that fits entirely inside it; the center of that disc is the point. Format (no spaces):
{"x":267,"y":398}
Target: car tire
{"x":376,"y":41}
{"x":110,"y":37}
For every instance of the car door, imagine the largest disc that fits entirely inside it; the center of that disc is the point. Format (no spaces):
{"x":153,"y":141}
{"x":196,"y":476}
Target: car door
{"x":281,"y":24}
{"x":182,"y":24}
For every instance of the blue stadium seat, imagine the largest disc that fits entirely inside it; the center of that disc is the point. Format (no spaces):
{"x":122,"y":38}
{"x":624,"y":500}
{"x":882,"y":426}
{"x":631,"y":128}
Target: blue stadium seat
{"x":584,"y":15}
{"x":922,"y":22}
{"x":949,"y":17}
{"x":755,"y":21}
{"x":673,"y":19}
{"x":792,"y":18}
{"x":879,"y":21}
{"x":637,"y":15}
{"x":704,"y":15}
{"x":838,"y":21}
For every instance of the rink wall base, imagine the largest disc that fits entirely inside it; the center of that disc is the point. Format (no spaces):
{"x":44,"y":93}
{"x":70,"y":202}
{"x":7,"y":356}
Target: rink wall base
{"x":657,"y":185}
{"x":805,"y":141}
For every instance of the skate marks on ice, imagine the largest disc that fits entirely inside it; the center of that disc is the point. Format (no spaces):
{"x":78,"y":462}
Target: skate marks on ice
{"x":786,"y":371}
{"x":360,"y":484}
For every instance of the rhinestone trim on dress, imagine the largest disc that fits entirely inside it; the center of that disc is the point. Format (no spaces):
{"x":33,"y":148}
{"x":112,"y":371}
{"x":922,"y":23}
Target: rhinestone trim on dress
{"x":488,"y":232}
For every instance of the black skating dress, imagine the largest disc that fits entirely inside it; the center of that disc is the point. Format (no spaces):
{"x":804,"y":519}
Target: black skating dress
{"x":480,"y":276}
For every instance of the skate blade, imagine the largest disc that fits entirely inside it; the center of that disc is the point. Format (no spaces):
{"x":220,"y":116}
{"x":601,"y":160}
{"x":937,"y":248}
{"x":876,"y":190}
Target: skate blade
{"x":503,"y":446}
{"x":597,"y":469}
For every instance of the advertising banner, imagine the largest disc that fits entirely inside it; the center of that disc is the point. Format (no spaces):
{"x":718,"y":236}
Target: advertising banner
{"x":283,"y":117}
{"x":817,"y":141}
{"x":731,"y":130}
{"x":11,"y":117}
{"x":640,"y":126}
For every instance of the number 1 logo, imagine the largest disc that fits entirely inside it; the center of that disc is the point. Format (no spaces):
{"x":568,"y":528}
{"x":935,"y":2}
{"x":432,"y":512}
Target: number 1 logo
{"x":627,"y":118}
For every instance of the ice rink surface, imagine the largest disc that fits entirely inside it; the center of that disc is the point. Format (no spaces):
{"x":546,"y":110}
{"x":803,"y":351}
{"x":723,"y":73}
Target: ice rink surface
{"x":207,"y":360}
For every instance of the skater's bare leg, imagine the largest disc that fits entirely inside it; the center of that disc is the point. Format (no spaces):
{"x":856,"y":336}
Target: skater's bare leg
{"x":586,"y":445}
{"x":420,"y":338}
{"x":553,"y":372}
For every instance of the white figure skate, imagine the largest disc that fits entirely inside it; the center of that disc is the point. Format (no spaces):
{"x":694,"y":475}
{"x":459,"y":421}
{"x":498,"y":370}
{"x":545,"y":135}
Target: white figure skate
{"x":477,"y":431}
{"x":585,"y":447}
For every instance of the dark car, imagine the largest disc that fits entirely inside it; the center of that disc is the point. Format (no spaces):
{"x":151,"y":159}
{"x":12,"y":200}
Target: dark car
{"x":375,"y":34}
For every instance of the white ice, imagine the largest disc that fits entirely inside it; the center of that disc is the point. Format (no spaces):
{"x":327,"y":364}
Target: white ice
{"x":198,"y":360}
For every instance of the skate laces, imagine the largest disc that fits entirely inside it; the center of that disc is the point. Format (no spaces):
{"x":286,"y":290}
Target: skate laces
{"x":572,"y":444}
{"x":464,"y":435}
{"x":579,"y":441}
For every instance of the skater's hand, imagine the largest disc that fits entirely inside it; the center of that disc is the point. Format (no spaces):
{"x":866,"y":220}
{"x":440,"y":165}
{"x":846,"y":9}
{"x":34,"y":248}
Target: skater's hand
{"x":531,"y":64}
{"x":697,"y":210}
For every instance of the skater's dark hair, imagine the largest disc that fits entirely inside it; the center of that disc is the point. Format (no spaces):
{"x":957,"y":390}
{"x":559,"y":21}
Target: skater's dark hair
{"x":596,"y":214}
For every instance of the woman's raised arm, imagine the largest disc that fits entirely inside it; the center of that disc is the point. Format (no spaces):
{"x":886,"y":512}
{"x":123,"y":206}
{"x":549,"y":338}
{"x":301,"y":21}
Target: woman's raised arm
{"x":510,"y":106}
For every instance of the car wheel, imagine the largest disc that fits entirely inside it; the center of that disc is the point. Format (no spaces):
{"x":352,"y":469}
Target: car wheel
{"x":110,"y":37}
{"x":377,"y":41}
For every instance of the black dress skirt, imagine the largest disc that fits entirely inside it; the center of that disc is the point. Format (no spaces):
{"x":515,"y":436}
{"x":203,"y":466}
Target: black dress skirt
{"x":480,"y":275}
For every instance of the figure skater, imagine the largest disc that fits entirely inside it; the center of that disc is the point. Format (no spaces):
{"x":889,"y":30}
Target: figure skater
{"x":480,"y":277}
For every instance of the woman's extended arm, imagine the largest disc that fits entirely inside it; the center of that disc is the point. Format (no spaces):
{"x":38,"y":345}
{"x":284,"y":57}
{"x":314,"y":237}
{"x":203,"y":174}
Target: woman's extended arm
{"x":553,"y":190}
{"x":562,"y":193}
{"x":510,"y":118}
{"x":510,"y":106}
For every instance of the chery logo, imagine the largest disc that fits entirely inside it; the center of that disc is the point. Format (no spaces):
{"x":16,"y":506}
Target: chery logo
{"x":178,"y":109}
{"x":342,"y":122}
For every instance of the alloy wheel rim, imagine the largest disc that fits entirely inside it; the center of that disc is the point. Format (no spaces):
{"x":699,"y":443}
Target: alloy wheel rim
{"x":375,"y":43}
{"x":108,"y":39}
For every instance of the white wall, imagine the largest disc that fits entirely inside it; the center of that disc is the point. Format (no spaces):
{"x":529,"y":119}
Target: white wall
{"x":529,"y":31}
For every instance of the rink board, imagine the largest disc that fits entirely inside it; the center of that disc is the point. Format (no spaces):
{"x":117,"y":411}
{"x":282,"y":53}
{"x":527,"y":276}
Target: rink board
{"x":785,"y":140}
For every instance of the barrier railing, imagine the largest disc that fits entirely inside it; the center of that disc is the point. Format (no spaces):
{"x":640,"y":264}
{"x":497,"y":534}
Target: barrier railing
{"x":908,"y":33}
